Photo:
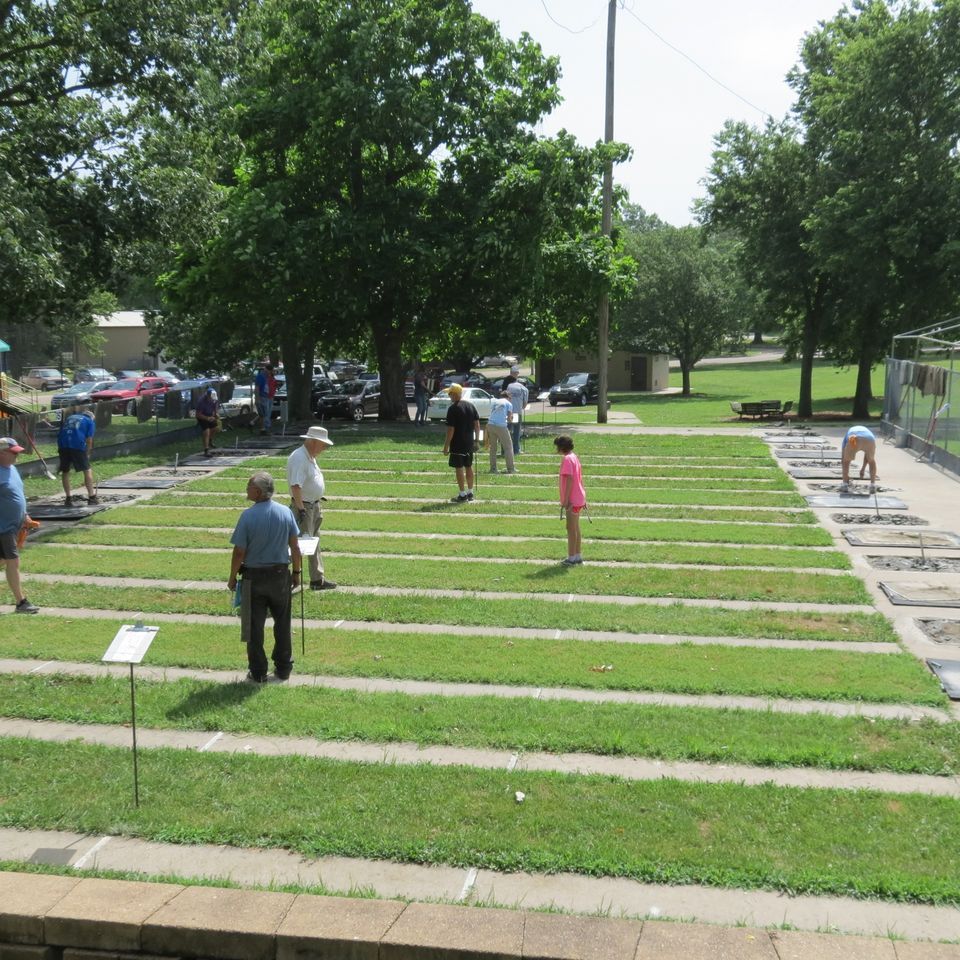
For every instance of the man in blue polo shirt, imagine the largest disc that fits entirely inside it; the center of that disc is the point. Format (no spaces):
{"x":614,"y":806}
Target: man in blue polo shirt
{"x":74,"y":444}
{"x":264,"y":542}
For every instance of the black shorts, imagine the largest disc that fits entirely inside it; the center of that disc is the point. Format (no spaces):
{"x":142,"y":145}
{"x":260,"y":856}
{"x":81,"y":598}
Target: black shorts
{"x":8,"y":546}
{"x":458,"y":460}
{"x":76,"y":459}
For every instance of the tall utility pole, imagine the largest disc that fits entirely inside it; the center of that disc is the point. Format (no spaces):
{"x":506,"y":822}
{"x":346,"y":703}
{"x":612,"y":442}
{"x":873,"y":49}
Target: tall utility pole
{"x":603,"y":308}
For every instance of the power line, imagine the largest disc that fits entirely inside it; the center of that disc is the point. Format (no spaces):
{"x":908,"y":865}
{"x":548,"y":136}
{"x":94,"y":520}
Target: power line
{"x":690,"y":59}
{"x":563,"y":26}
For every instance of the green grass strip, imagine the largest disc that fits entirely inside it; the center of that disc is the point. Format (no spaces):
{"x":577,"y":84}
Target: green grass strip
{"x":459,"y":521}
{"x":527,"y":481}
{"x":546,"y":576}
{"x":463,"y":546}
{"x":499,"y":614}
{"x":503,"y":489}
{"x":866,"y":844}
{"x":523,"y":508}
{"x":614,"y":729}
{"x":680,"y":668}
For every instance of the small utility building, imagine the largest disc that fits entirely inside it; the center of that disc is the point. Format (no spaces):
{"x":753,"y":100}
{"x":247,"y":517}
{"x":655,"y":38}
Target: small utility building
{"x":630,"y":372}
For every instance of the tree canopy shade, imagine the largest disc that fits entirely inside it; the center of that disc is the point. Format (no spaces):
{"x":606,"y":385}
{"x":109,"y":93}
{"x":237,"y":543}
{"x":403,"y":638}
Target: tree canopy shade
{"x":390,"y":186}
{"x":849,"y":210}
{"x":75,"y":75}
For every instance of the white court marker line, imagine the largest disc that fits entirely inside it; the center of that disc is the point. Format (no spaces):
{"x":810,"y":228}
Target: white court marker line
{"x":513,"y":762}
{"x":42,"y":666}
{"x":210,"y":742}
{"x":82,"y":862}
{"x":538,"y":694}
{"x":468,"y":883}
{"x":337,"y":624}
{"x":569,"y":598}
{"x":557,"y":635}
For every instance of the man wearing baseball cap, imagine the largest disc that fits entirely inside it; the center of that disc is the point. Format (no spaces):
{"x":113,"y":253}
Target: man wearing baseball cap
{"x":13,"y":516}
{"x":306,"y":494}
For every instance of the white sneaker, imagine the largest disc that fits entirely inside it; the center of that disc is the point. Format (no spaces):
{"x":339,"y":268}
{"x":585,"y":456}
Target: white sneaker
{"x":844,"y":487}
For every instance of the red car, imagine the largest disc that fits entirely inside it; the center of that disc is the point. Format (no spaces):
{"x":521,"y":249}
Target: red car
{"x":124,"y":393}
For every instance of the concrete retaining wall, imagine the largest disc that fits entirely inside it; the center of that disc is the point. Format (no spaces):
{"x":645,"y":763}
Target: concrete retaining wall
{"x":71,"y":918}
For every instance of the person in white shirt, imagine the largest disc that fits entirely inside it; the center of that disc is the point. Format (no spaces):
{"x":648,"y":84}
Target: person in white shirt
{"x":306,"y":493}
{"x":497,"y":431}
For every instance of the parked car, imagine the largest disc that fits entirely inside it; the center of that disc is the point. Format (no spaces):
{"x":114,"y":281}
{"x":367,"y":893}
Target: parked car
{"x":346,"y":369}
{"x":167,"y":375}
{"x":352,"y":400}
{"x":532,"y":387}
{"x":128,"y":374}
{"x":439,"y":405}
{"x":79,"y":393}
{"x":124,"y":393}
{"x":91,"y":375}
{"x":241,"y":403}
{"x":469,"y":379}
{"x":367,"y":375}
{"x":44,"y":378}
{"x":578,"y":388}
{"x":498,"y":360}
{"x":319,"y":387}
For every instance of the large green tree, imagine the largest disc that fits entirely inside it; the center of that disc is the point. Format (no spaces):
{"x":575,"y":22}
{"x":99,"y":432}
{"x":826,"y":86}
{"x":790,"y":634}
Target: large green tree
{"x":390,"y":186}
{"x":75,"y":77}
{"x":877,"y":98}
{"x":849,"y":209}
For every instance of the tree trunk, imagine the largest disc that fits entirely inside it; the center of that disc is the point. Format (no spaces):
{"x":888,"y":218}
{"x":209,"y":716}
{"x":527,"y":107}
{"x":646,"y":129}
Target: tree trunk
{"x":685,"y":369}
{"x":388,"y":343}
{"x":812,"y":322}
{"x":298,"y":369}
{"x":864,"y":392}
{"x":758,"y":337}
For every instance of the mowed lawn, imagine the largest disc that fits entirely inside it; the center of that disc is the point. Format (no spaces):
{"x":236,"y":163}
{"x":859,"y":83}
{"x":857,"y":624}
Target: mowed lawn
{"x":703,"y":569}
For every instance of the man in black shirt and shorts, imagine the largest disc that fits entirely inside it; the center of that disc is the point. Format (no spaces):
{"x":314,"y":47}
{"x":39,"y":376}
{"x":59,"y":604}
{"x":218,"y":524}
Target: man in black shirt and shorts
{"x":463,"y":438}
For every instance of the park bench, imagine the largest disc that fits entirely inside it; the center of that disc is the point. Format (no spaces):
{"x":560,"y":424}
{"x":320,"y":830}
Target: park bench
{"x":760,"y":408}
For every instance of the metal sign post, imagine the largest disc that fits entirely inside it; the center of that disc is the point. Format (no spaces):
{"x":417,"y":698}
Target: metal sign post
{"x":308,"y":547}
{"x":130,"y":646}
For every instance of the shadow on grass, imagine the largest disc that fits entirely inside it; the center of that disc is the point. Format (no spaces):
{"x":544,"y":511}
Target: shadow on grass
{"x":202,"y":699}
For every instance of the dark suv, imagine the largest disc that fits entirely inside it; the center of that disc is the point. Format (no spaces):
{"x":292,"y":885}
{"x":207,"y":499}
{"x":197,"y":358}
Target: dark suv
{"x":578,"y":388}
{"x":352,"y":400}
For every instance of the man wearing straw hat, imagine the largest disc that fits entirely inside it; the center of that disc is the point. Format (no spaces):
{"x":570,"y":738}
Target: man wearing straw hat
{"x":306,"y":494}
{"x":13,"y":517}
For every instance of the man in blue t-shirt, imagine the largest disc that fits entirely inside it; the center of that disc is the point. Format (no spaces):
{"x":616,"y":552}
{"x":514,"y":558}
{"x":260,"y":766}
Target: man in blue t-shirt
{"x":74,"y":444}
{"x":264,"y":542}
{"x":13,"y":518}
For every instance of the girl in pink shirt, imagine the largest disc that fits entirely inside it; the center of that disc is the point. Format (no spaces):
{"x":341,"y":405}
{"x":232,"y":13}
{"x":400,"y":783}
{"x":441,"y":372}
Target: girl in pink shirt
{"x":573,"y":497}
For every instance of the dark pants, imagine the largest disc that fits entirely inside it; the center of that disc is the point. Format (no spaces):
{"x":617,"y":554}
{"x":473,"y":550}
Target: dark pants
{"x":266,"y":589}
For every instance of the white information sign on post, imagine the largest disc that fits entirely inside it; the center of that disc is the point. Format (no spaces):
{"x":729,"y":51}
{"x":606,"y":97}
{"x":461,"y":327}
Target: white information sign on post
{"x":131,"y":643}
{"x":308,"y":545}
{"x":308,"y":548}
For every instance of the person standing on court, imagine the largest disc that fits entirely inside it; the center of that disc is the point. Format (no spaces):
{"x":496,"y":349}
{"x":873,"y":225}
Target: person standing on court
{"x":573,"y":498}
{"x":463,"y":439}
{"x":855,"y":440}
{"x":421,"y":395}
{"x":74,"y":446}
{"x":264,"y":544}
{"x":519,"y":395}
{"x":500,"y":410}
{"x":264,"y":387}
{"x":13,"y":518}
{"x":206,"y":415}
{"x":306,"y":495}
